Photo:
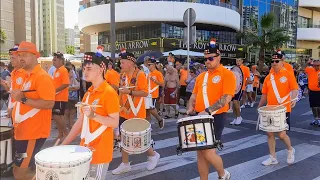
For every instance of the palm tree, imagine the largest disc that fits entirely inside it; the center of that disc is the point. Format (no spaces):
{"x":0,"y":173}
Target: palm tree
{"x":3,"y":36}
{"x":264,"y":36}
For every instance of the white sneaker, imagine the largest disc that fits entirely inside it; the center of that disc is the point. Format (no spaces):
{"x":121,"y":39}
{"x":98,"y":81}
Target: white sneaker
{"x":243,"y":106}
{"x":123,"y":168}
{"x":230,"y":111}
{"x":270,"y":161}
{"x":252,"y":104}
{"x":226,"y":176}
{"x":238,"y":121}
{"x":290,"y":158}
{"x":153,"y":161}
{"x":232,"y":122}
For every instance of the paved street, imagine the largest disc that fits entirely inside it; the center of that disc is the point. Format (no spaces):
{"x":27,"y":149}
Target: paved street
{"x":245,"y":149}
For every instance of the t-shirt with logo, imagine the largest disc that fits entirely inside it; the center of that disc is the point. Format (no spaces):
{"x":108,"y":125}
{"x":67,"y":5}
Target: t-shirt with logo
{"x":157,"y":75}
{"x":313,"y":79}
{"x":60,"y":77}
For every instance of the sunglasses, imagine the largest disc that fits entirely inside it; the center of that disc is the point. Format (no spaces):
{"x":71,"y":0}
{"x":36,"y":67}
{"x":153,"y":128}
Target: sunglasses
{"x":275,"y":61}
{"x":211,"y":58}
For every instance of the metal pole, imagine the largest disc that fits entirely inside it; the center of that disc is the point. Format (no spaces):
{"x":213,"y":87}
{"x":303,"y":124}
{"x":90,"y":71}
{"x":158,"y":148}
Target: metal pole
{"x":188,"y":39}
{"x":112,"y":29}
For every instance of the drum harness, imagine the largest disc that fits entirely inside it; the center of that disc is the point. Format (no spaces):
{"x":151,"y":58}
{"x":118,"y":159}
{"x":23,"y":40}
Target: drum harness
{"x":150,"y":91}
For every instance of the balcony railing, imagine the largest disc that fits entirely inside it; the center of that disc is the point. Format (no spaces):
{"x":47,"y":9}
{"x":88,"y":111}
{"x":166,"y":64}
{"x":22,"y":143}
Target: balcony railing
{"x":308,"y":26}
{"x":210,"y":2}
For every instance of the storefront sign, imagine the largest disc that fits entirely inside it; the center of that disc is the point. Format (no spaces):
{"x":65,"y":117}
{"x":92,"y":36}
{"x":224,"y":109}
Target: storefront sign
{"x":138,"y":45}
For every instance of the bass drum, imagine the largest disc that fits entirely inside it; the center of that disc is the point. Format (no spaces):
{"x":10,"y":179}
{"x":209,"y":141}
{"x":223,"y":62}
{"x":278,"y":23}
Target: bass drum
{"x":239,"y":78}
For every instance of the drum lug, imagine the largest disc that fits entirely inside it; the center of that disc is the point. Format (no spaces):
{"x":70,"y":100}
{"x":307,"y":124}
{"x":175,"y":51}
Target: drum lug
{"x":179,"y":151}
{"x":152,"y":144}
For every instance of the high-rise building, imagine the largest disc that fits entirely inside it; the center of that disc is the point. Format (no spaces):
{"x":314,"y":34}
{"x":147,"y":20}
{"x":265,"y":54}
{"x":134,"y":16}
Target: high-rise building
{"x":69,"y":36}
{"x":309,"y":28}
{"x":51,"y":26}
{"x":7,"y":24}
{"x":76,"y":39}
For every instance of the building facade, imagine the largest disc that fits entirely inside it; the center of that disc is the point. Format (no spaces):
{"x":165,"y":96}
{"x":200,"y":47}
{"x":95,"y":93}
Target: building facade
{"x":7,"y":24}
{"x":69,"y":36}
{"x":51,"y":26}
{"x":158,"y":25}
{"x":308,"y":40}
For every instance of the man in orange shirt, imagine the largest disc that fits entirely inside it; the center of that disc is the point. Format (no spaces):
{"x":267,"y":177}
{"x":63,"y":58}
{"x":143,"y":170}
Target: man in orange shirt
{"x":221,"y":83}
{"x":32,"y":112}
{"x":237,"y":98}
{"x":314,"y":90}
{"x":132,"y":76}
{"x":93,"y":119}
{"x":183,"y":85}
{"x":155,"y":80}
{"x":256,"y":83}
{"x":279,"y":87}
{"x":61,"y":82}
{"x":286,"y":65}
{"x":112,"y":77}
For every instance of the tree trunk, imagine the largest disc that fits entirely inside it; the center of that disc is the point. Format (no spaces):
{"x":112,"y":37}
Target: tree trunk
{"x":261,"y":59}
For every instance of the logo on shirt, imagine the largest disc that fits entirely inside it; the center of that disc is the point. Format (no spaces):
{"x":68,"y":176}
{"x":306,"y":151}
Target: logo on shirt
{"x":19,"y":80}
{"x":27,"y":86}
{"x":283,"y":79}
{"x":57,"y":74}
{"x":216,"y":79}
{"x":95,"y":102}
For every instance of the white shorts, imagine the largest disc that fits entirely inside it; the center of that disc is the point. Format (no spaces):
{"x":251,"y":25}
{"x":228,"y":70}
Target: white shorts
{"x":249,"y":88}
{"x":98,"y":171}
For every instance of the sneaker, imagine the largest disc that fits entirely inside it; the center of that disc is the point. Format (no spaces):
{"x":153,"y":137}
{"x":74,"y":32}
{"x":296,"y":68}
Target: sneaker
{"x":315,"y":122}
{"x":230,"y":111}
{"x":252,"y":104}
{"x":153,"y":161}
{"x":290,"y":158}
{"x":226,"y":176}
{"x":161,"y":123}
{"x":232,"y":122}
{"x":123,"y":168}
{"x":243,"y":106}
{"x":238,"y":121}
{"x":270,"y":161}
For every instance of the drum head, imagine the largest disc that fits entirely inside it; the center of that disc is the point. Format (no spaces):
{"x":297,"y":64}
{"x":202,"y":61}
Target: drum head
{"x":135,"y":125}
{"x":195,"y":117}
{"x":271,"y":108}
{"x":5,"y":129}
{"x":3,"y":113}
{"x":5,"y":133}
{"x":63,"y":156}
{"x":239,"y":78}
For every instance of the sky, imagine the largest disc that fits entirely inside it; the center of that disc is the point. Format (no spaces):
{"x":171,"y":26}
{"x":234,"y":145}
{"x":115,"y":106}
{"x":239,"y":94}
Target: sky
{"x":71,"y":13}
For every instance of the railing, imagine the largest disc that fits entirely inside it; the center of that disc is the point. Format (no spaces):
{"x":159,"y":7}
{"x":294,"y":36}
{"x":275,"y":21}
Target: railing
{"x":210,"y":2}
{"x":308,"y":26}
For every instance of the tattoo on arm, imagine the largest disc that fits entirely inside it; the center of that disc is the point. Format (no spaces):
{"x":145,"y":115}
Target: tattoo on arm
{"x":219,"y":104}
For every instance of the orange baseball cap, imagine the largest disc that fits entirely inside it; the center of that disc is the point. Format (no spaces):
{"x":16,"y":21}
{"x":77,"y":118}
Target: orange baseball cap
{"x":28,"y":47}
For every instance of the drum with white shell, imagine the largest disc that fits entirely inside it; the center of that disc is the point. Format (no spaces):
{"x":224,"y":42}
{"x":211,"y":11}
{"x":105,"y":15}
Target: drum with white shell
{"x":5,"y":121}
{"x":273,"y":118}
{"x":67,"y":162}
{"x":6,"y":155}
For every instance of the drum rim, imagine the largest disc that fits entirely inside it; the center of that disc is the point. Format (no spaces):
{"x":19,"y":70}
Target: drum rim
{"x":148,"y":130}
{"x":47,"y":164}
{"x":195,"y":118}
{"x":284,"y":108}
{"x":5,"y":135}
{"x":197,"y":148}
{"x":138,"y":152}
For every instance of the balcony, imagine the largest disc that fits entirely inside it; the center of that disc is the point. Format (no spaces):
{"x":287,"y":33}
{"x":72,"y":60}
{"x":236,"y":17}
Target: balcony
{"x":308,"y":32}
{"x":310,"y":4}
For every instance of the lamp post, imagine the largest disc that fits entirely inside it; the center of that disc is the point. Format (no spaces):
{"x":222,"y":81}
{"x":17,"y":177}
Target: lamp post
{"x":112,"y":29}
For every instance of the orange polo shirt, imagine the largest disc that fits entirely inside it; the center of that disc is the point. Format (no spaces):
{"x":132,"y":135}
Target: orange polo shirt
{"x":60,"y":77}
{"x":246,"y":75}
{"x":141,"y":85}
{"x":39,"y":125}
{"x":107,"y":97}
{"x":220,"y":82}
{"x":157,"y":75}
{"x":17,"y":79}
{"x":285,"y":82}
{"x":256,"y":81}
{"x":112,"y":77}
{"x":286,"y":66}
{"x":313,"y":77}
{"x":183,"y":77}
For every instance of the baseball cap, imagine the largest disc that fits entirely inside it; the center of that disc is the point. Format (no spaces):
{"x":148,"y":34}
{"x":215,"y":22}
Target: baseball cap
{"x":58,"y":55}
{"x":277,"y":56}
{"x":28,"y":47}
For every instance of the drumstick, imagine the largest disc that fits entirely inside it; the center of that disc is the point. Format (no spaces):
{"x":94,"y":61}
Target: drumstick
{"x":84,"y":104}
{"x":55,"y":144}
{"x":127,"y":87}
{"x":284,"y":103}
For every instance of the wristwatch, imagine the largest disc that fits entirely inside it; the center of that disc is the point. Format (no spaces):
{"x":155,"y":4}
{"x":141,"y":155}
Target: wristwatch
{"x":23,"y":100}
{"x":208,"y":111}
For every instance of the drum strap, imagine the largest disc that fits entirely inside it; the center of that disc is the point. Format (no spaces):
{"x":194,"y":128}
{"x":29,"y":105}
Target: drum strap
{"x":275,"y":90}
{"x":205,"y":92}
{"x":85,"y":132}
{"x":20,"y":118}
{"x":134,"y":109}
{"x":149,"y":86}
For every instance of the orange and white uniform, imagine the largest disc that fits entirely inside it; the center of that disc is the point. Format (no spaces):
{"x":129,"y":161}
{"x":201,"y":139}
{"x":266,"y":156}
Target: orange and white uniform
{"x":112,"y":77}
{"x":154,"y":88}
{"x":246,"y":75}
{"x":17,"y":79}
{"x":60,"y":77}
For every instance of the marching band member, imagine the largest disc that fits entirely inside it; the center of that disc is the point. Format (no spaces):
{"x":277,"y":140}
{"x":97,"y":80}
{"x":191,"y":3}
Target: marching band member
{"x":221,"y":84}
{"x":112,"y":77}
{"x":276,"y":90}
{"x":133,"y":105}
{"x":286,"y":65}
{"x":96,"y":123}
{"x":314,"y":90}
{"x":155,"y":80}
{"x":256,"y":83}
{"x":32,"y":112}
{"x":237,"y":98}
{"x":61,"y":82}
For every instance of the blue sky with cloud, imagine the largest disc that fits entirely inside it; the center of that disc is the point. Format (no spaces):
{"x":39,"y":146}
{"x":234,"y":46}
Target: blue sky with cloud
{"x":71,"y":13}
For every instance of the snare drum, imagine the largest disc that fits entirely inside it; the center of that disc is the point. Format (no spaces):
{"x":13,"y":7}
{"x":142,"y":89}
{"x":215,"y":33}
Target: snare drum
{"x":68,"y":162}
{"x":4,"y":121}
{"x":135,"y":136}
{"x":6,"y":134}
{"x":196,"y":133}
{"x":273,"y":119}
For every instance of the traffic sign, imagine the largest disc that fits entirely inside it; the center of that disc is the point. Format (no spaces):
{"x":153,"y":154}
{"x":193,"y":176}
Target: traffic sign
{"x":191,"y":18}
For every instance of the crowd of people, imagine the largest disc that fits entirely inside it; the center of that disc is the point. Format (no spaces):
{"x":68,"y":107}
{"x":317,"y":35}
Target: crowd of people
{"x":125,"y":90}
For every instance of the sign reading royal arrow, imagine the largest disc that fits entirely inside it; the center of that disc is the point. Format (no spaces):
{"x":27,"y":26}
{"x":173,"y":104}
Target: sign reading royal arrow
{"x":227,"y":50}
{"x":145,"y":44}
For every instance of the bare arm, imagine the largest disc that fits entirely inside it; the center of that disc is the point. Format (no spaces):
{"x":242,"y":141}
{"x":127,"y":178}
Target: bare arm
{"x":40,"y":103}
{"x":191,"y":103}
{"x":224,"y":100}
{"x":263,"y":100}
{"x":178,"y":83}
{"x":112,"y":120}
{"x":75,"y":131}
{"x":139,"y":93}
{"x":62,"y":87}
